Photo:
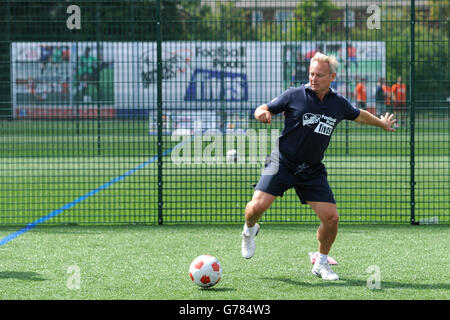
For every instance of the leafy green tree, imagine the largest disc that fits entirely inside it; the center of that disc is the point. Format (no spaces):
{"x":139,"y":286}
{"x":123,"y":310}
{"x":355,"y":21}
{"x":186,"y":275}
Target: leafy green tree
{"x":313,"y":17}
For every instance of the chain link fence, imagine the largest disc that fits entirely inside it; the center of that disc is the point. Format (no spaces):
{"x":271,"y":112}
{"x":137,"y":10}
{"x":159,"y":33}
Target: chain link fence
{"x":142,"y":111}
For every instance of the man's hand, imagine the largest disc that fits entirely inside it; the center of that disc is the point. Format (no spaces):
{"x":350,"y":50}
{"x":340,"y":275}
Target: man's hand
{"x":388,"y":120}
{"x":385,"y":122}
{"x":263,"y":114}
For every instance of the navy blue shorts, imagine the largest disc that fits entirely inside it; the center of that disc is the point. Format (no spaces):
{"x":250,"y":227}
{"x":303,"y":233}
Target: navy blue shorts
{"x":310,"y":183}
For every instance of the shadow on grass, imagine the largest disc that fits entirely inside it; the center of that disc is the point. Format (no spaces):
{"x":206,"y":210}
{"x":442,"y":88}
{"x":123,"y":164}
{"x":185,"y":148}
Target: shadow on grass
{"x":32,"y":276}
{"x":361,"y":283}
{"x":217,"y":289}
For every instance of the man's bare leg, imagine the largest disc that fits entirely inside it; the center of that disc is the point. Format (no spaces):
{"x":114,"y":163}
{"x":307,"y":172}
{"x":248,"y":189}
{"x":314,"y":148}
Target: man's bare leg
{"x":254,"y":210}
{"x":326,"y":235}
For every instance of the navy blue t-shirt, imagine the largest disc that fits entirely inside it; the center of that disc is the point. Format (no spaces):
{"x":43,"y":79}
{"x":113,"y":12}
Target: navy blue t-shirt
{"x":309,"y":122}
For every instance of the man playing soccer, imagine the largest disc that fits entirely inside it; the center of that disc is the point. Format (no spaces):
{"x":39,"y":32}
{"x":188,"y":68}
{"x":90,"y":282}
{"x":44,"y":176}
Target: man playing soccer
{"x":311,"y":111}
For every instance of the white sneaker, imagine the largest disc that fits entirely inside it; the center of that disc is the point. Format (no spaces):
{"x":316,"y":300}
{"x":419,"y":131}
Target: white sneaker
{"x":248,"y":244}
{"x":324,"y":271}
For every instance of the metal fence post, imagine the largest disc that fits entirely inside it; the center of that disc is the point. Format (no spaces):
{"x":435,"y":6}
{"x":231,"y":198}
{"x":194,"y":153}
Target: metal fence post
{"x":159,"y":108}
{"x":346,"y":74}
{"x":98,"y":38}
{"x":412,"y":113}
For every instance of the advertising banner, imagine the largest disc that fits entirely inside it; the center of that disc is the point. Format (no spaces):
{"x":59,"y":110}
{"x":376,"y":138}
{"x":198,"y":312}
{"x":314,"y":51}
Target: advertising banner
{"x":119,"y":79}
{"x":57,"y":80}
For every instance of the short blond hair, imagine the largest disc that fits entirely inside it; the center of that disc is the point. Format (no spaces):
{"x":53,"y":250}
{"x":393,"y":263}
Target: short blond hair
{"x":331,"y":60}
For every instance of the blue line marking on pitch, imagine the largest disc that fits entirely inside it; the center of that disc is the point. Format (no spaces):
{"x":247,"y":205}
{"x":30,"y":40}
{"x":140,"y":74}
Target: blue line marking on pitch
{"x":69,"y":205}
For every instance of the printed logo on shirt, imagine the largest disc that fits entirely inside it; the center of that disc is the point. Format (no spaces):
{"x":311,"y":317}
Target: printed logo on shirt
{"x":310,"y":119}
{"x":325,"y":124}
{"x":324,"y":129}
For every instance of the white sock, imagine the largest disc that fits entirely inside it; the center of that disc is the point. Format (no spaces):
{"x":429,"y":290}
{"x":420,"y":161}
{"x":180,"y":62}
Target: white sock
{"x":249,"y":230}
{"x":322,"y":258}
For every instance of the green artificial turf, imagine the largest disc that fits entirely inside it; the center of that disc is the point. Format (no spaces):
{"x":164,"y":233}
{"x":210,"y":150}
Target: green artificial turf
{"x":151,"y":262}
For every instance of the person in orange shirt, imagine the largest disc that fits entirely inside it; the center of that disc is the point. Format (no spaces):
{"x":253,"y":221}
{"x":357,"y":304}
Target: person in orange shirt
{"x":387,"y":94}
{"x":399,"y":99}
{"x":361,"y":95}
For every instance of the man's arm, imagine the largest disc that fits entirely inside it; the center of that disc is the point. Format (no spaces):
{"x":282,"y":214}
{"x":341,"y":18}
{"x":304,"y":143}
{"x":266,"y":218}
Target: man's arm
{"x":263,"y":114}
{"x":385,"y":122}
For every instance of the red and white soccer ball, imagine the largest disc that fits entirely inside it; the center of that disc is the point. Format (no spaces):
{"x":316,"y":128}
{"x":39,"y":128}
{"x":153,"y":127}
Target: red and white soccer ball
{"x":205,"y":271}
